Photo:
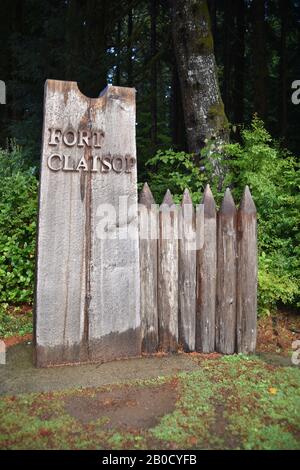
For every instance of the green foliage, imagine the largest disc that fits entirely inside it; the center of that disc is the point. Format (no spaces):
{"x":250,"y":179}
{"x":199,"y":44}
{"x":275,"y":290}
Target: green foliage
{"x":18,"y":208}
{"x":276,"y":283}
{"x":175,"y":171}
{"x":274,"y":181}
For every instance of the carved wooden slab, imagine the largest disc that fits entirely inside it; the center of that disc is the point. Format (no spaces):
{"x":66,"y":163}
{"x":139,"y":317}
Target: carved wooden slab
{"x":87,"y":283}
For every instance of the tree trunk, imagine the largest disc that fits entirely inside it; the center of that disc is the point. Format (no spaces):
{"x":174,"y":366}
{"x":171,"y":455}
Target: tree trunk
{"x":202,"y":103}
{"x":73,"y":33}
{"x":129,"y":49}
{"x":212,"y":4}
{"x":95,"y":45}
{"x":118,"y":68}
{"x":283,"y":8}
{"x":17,"y":26}
{"x":228,"y":29}
{"x":177,"y":121}
{"x":239,"y":62}
{"x":6,"y":67}
{"x":153,"y":15}
{"x":259,"y":55}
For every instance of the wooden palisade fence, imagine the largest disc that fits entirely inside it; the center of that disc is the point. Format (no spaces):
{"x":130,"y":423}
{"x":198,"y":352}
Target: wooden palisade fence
{"x":199,"y":296}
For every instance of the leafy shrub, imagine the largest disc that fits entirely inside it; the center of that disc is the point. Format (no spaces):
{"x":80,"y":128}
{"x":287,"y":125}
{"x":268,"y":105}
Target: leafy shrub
{"x":274,"y":181}
{"x":175,"y":171}
{"x":18,"y":208}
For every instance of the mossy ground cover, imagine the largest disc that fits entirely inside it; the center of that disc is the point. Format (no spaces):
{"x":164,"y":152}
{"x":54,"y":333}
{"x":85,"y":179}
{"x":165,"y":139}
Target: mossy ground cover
{"x":232,"y":402}
{"x":15,"y":320}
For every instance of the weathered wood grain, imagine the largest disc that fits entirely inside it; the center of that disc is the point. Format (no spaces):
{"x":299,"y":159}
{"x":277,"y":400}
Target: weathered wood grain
{"x":61,"y":254}
{"x":168,"y":275}
{"x":246,"y":275}
{"x":148,"y":269}
{"x":206,"y":278}
{"x":114,"y":304}
{"x":187,"y":274}
{"x":226,"y":276}
{"x":87,"y":289}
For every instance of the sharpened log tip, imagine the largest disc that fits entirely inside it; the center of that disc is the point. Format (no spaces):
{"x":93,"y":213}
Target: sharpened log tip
{"x":168,"y":199}
{"x":247,"y":204}
{"x":186,"y":198}
{"x":228,"y":204}
{"x":146,"y":197}
{"x":209,"y":203}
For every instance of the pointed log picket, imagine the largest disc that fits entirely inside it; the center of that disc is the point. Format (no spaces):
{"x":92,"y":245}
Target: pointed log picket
{"x":206,"y":278}
{"x":187,"y":274}
{"x":168,"y":275}
{"x":246,"y":275}
{"x":148,"y":270}
{"x":226,"y":276}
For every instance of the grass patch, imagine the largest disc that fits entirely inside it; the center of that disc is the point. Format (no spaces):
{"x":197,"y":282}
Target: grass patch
{"x":236,"y":402}
{"x":15,"y":321}
{"x":233,"y":402}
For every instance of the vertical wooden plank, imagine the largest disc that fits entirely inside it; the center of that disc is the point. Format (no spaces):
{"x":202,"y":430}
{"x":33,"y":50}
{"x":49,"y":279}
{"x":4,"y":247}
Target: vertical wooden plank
{"x":226,"y":276}
{"x":246,"y":275}
{"x":187,"y":275}
{"x":206,"y":278}
{"x":114,"y":327}
{"x":148,"y":269}
{"x":61,"y":240}
{"x":168,"y":275}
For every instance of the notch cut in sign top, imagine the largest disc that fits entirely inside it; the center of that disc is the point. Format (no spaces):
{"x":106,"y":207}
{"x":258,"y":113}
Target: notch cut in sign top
{"x":2,"y":352}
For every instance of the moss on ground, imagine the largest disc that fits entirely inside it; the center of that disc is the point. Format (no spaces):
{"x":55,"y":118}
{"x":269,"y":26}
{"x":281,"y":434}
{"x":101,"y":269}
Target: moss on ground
{"x":15,"y":320}
{"x":230,"y":402}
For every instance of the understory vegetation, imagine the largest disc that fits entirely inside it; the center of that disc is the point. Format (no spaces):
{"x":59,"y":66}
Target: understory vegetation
{"x":256,"y":160}
{"x":18,"y":209}
{"x":272,"y":176}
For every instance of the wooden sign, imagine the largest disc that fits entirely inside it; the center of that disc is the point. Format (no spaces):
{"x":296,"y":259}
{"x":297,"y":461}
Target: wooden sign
{"x":87,"y":304}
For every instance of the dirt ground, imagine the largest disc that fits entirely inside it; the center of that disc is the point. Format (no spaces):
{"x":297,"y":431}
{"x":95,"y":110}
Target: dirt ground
{"x":133,"y":408}
{"x":276,"y":334}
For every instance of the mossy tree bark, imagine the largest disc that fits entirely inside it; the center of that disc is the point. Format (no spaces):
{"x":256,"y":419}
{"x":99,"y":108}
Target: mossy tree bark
{"x":153,"y":7}
{"x":202,"y":103}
